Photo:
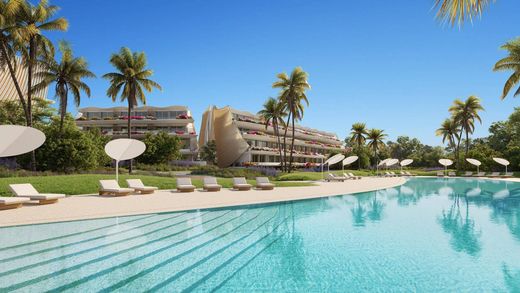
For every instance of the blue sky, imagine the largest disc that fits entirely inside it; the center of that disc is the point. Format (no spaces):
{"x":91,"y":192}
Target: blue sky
{"x":387,"y":63}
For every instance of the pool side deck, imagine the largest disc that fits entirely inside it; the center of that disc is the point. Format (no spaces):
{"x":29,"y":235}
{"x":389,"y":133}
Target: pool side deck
{"x":83,"y":207}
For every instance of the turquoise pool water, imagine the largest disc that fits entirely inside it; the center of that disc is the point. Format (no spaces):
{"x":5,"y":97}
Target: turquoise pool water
{"x":429,"y":235}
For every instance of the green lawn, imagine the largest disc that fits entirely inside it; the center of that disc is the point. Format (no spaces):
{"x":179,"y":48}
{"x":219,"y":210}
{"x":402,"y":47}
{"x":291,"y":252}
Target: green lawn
{"x":88,"y":183}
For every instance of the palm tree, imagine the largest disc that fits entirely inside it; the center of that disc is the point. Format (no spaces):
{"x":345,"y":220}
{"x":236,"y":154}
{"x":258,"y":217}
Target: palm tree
{"x":292,"y":95}
{"x":129,"y":81}
{"x":273,"y":113}
{"x":511,"y":62}
{"x":457,"y":11}
{"x":357,"y":136}
{"x":375,"y":140}
{"x":464,"y":113}
{"x":68,"y":75}
{"x":449,"y":131}
{"x":32,"y":21}
{"x":8,"y":12}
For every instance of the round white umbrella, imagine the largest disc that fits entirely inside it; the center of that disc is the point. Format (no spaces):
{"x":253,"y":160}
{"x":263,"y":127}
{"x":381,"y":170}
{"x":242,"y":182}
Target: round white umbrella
{"x":391,"y":162}
{"x":331,"y":161}
{"x":124,"y":149}
{"x":383,"y":162}
{"x":502,"y":162}
{"x":16,"y":140}
{"x":405,"y":162}
{"x":445,"y":163}
{"x":474,"y":162}
{"x":349,"y":160}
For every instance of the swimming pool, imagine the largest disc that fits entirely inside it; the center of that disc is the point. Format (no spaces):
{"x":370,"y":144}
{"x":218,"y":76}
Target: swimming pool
{"x":428,"y":235}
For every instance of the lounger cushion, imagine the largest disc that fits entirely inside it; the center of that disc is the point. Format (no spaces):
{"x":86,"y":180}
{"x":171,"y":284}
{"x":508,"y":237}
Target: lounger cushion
{"x":43,"y":196}
{"x":145,"y":188}
{"x":186,"y":187}
{"x":211,"y":186}
{"x":23,"y":189}
{"x":242,"y":185}
{"x":12,"y":200}
{"x":265,"y":184}
{"x":117,"y":190}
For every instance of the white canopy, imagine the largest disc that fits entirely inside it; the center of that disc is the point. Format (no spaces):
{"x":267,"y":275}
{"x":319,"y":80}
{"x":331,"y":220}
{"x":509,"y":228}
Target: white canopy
{"x":501,"y":161}
{"x":124,"y":149}
{"x":349,"y":160}
{"x":16,"y":140}
{"x":406,"y":162}
{"x":474,"y":162}
{"x":334,"y":159}
{"x":383,"y":162}
{"x":391,"y":162}
{"x":446,"y":162}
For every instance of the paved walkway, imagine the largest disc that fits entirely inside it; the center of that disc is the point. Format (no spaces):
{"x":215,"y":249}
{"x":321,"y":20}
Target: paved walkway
{"x":93,"y":206}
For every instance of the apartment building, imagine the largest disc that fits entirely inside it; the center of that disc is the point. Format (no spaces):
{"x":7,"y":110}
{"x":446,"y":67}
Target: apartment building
{"x":242,"y":139}
{"x":175,"y":120}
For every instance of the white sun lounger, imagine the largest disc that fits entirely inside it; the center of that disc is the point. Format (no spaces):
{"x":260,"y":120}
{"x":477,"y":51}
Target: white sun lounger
{"x":468,"y":174}
{"x":13,"y":202}
{"x":508,"y":175}
{"x":137,"y":185}
{"x":452,"y":174}
{"x":480,"y":174}
{"x":240,"y":183}
{"x":331,"y":177}
{"x":348,"y":176}
{"x":494,"y":174}
{"x":408,"y":173}
{"x":111,"y":187}
{"x":354,"y":176}
{"x":184,"y":184}
{"x":440,"y":174}
{"x":264,"y":184}
{"x":27,"y":190}
{"x":210,"y":184}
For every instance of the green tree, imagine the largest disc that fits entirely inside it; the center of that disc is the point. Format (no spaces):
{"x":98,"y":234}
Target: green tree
{"x":161,"y":148}
{"x":358,"y":138}
{"x":67,"y":75}
{"x":31,"y":22}
{"x":130,"y":81}
{"x":273,"y":113}
{"x":292,"y":96}
{"x":69,"y":150}
{"x":404,"y":147}
{"x":12,"y":113}
{"x":510,"y":63}
{"x":375,"y":139}
{"x":208,"y":152}
{"x":465,"y":113}
{"x":449,"y":131}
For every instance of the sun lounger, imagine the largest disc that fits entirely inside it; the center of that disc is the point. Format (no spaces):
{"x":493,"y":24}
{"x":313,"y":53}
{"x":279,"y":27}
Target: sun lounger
{"x":403,"y":173}
{"x":393,"y":174}
{"x":452,"y":174}
{"x":111,"y":187}
{"x":27,"y":190}
{"x":184,"y":184}
{"x":494,"y":174}
{"x":388,"y":174}
{"x":408,"y":173}
{"x":480,"y":174}
{"x":468,"y":174}
{"x":508,"y":175}
{"x":240,"y":183}
{"x":331,"y":177}
{"x":210,"y":184}
{"x":137,"y":185}
{"x":12,"y":202}
{"x":354,"y":176}
{"x":264,"y":184}
{"x":440,"y":174}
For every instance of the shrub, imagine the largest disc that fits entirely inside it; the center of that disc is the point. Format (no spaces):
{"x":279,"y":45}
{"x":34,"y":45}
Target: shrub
{"x":160,"y":148}
{"x":294,"y":177}
{"x":227,"y":172}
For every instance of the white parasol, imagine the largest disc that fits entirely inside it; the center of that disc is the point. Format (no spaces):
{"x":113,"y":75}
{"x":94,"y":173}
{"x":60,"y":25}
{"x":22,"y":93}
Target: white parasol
{"x":124,"y":149}
{"x":474,"y":162}
{"x":445,"y":163}
{"x":17,"y":140}
{"x":349,"y":160}
{"x":502,"y":162}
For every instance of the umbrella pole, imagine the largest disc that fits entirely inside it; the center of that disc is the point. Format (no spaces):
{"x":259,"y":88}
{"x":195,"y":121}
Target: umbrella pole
{"x":117,"y":170}
{"x":322,"y":168}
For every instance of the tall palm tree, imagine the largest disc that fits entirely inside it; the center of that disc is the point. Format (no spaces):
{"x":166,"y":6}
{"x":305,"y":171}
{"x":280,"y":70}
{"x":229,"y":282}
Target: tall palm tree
{"x":375,"y":139}
{"x":458,"y":11}
{"x":358,"y":136}
{"x":67,"y":75}
{"x":273,"y":113}
{"x":292,"y":95}
{"x":449,"y":131}
{"x":128,"y":82}
{"x":464,"y":113}
{"x":8,"y":12}
{"x":511,"y":62}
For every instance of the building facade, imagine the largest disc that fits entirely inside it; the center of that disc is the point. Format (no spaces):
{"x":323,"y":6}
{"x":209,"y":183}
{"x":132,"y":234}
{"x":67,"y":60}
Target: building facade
{"x":241,"y":138}
{"x":174,"y":120}
{"x":7,"y":88}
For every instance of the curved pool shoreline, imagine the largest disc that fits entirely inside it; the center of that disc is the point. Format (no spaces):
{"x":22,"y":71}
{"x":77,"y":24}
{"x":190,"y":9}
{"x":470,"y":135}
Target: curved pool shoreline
{"x":84,"y":207}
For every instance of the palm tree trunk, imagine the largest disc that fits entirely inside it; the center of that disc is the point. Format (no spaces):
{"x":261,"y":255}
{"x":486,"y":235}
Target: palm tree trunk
{"x":359,"y":161}
{"x":277,"y":133}
{"x":63,"y":107}
{"x":457,"y":149}
{"x":129,"y":130}
{"x":32,"y":60}
{"x":15,"y":81}
{"x":292,"y":146}
{"x":285,"y":143}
